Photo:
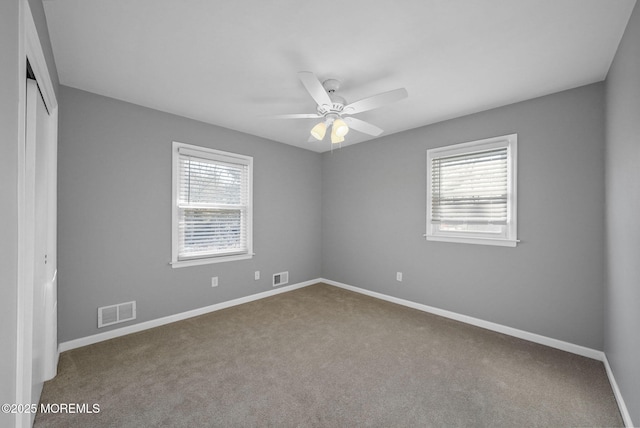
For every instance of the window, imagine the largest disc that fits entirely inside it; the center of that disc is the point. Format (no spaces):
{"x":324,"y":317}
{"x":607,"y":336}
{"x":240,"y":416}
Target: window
{"x":212,"y":206}
{"x":471,"y":192}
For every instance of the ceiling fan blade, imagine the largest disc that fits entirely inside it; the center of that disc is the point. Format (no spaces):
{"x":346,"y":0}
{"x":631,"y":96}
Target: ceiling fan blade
{"x":298,"y":116}
{"x":362,"y":126}
{"x":314,"y":87}
{"x":375,"y":101}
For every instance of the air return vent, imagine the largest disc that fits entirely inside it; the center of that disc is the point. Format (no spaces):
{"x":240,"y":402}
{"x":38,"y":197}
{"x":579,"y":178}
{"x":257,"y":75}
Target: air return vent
{"x":114,"y":314}
{"x":280,"y":278}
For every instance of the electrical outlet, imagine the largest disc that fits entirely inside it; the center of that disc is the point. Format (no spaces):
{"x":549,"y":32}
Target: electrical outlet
{"x":257,"y":275}
{"x":399,"y":276}
{"x":214,"y":281}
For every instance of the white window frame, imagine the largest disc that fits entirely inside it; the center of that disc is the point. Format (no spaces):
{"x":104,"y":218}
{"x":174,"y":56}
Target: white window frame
{"x":508,"y":234}
{"x":211,"y":154}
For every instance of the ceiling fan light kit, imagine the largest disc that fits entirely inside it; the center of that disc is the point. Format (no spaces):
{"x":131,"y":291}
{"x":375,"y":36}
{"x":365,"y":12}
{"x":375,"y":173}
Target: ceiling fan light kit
{"x":333,"y":109}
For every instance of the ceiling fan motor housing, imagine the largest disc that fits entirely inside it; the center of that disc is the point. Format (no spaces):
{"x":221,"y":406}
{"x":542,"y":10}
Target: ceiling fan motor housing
{"x":337,"y":102}
{"x":336,"y":108}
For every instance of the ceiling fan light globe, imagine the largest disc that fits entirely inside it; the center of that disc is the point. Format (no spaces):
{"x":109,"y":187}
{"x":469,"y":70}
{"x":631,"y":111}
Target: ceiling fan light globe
{"x":335,"y":138}
{"x":340,"y":128}
{"x":318,"y":132}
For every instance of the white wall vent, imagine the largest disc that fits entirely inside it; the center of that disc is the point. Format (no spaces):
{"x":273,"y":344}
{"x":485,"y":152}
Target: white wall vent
{"x":280,"y":278}
{"x":114,"y":314}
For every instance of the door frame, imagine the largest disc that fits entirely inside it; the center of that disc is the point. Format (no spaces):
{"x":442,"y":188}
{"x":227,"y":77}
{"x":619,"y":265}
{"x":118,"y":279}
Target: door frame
{"x":29,"y":48}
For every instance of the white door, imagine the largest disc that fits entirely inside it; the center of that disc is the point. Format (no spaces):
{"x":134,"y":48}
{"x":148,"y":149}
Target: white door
{"x":39,"y":353}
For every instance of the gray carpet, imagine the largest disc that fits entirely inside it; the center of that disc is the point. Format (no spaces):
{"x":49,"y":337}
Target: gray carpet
{"x":321,"y":356}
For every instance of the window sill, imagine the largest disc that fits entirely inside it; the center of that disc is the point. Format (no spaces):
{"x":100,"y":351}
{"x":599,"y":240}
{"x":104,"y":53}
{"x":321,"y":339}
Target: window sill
{"x":196,"y":262}
{"x":478,"y":241}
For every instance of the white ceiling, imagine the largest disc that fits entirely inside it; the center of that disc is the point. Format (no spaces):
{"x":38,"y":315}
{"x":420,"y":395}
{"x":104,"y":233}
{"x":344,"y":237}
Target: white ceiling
{"x":234,"y":63}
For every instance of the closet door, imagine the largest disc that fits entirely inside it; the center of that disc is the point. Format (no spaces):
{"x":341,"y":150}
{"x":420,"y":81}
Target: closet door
{"x":40,"y":297}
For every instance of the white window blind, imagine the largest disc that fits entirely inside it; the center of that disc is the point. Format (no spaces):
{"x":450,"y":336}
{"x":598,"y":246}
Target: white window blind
{"x":213,"y":205}
{"x":470,"y":188}
{"x":471,"y":192}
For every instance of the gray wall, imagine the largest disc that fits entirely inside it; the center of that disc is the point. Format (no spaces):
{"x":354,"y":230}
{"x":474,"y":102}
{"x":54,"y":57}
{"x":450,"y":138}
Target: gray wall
{"x":114,"y":202}
{"x":622,"y":307}
{"x":373,"y":219}
{"x":8,"y":196}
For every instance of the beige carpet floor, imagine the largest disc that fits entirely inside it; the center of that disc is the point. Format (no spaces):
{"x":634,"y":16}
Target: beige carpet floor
{"x":321,"y":356}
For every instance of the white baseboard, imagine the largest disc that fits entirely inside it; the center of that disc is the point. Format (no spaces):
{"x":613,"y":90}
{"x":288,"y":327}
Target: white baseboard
{"x":111,"y":334}
{"x":532,"y":337}
{"x":626,"y":417}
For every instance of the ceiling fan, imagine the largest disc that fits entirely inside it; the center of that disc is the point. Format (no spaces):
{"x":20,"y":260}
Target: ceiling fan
{"x":334,"y":111}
